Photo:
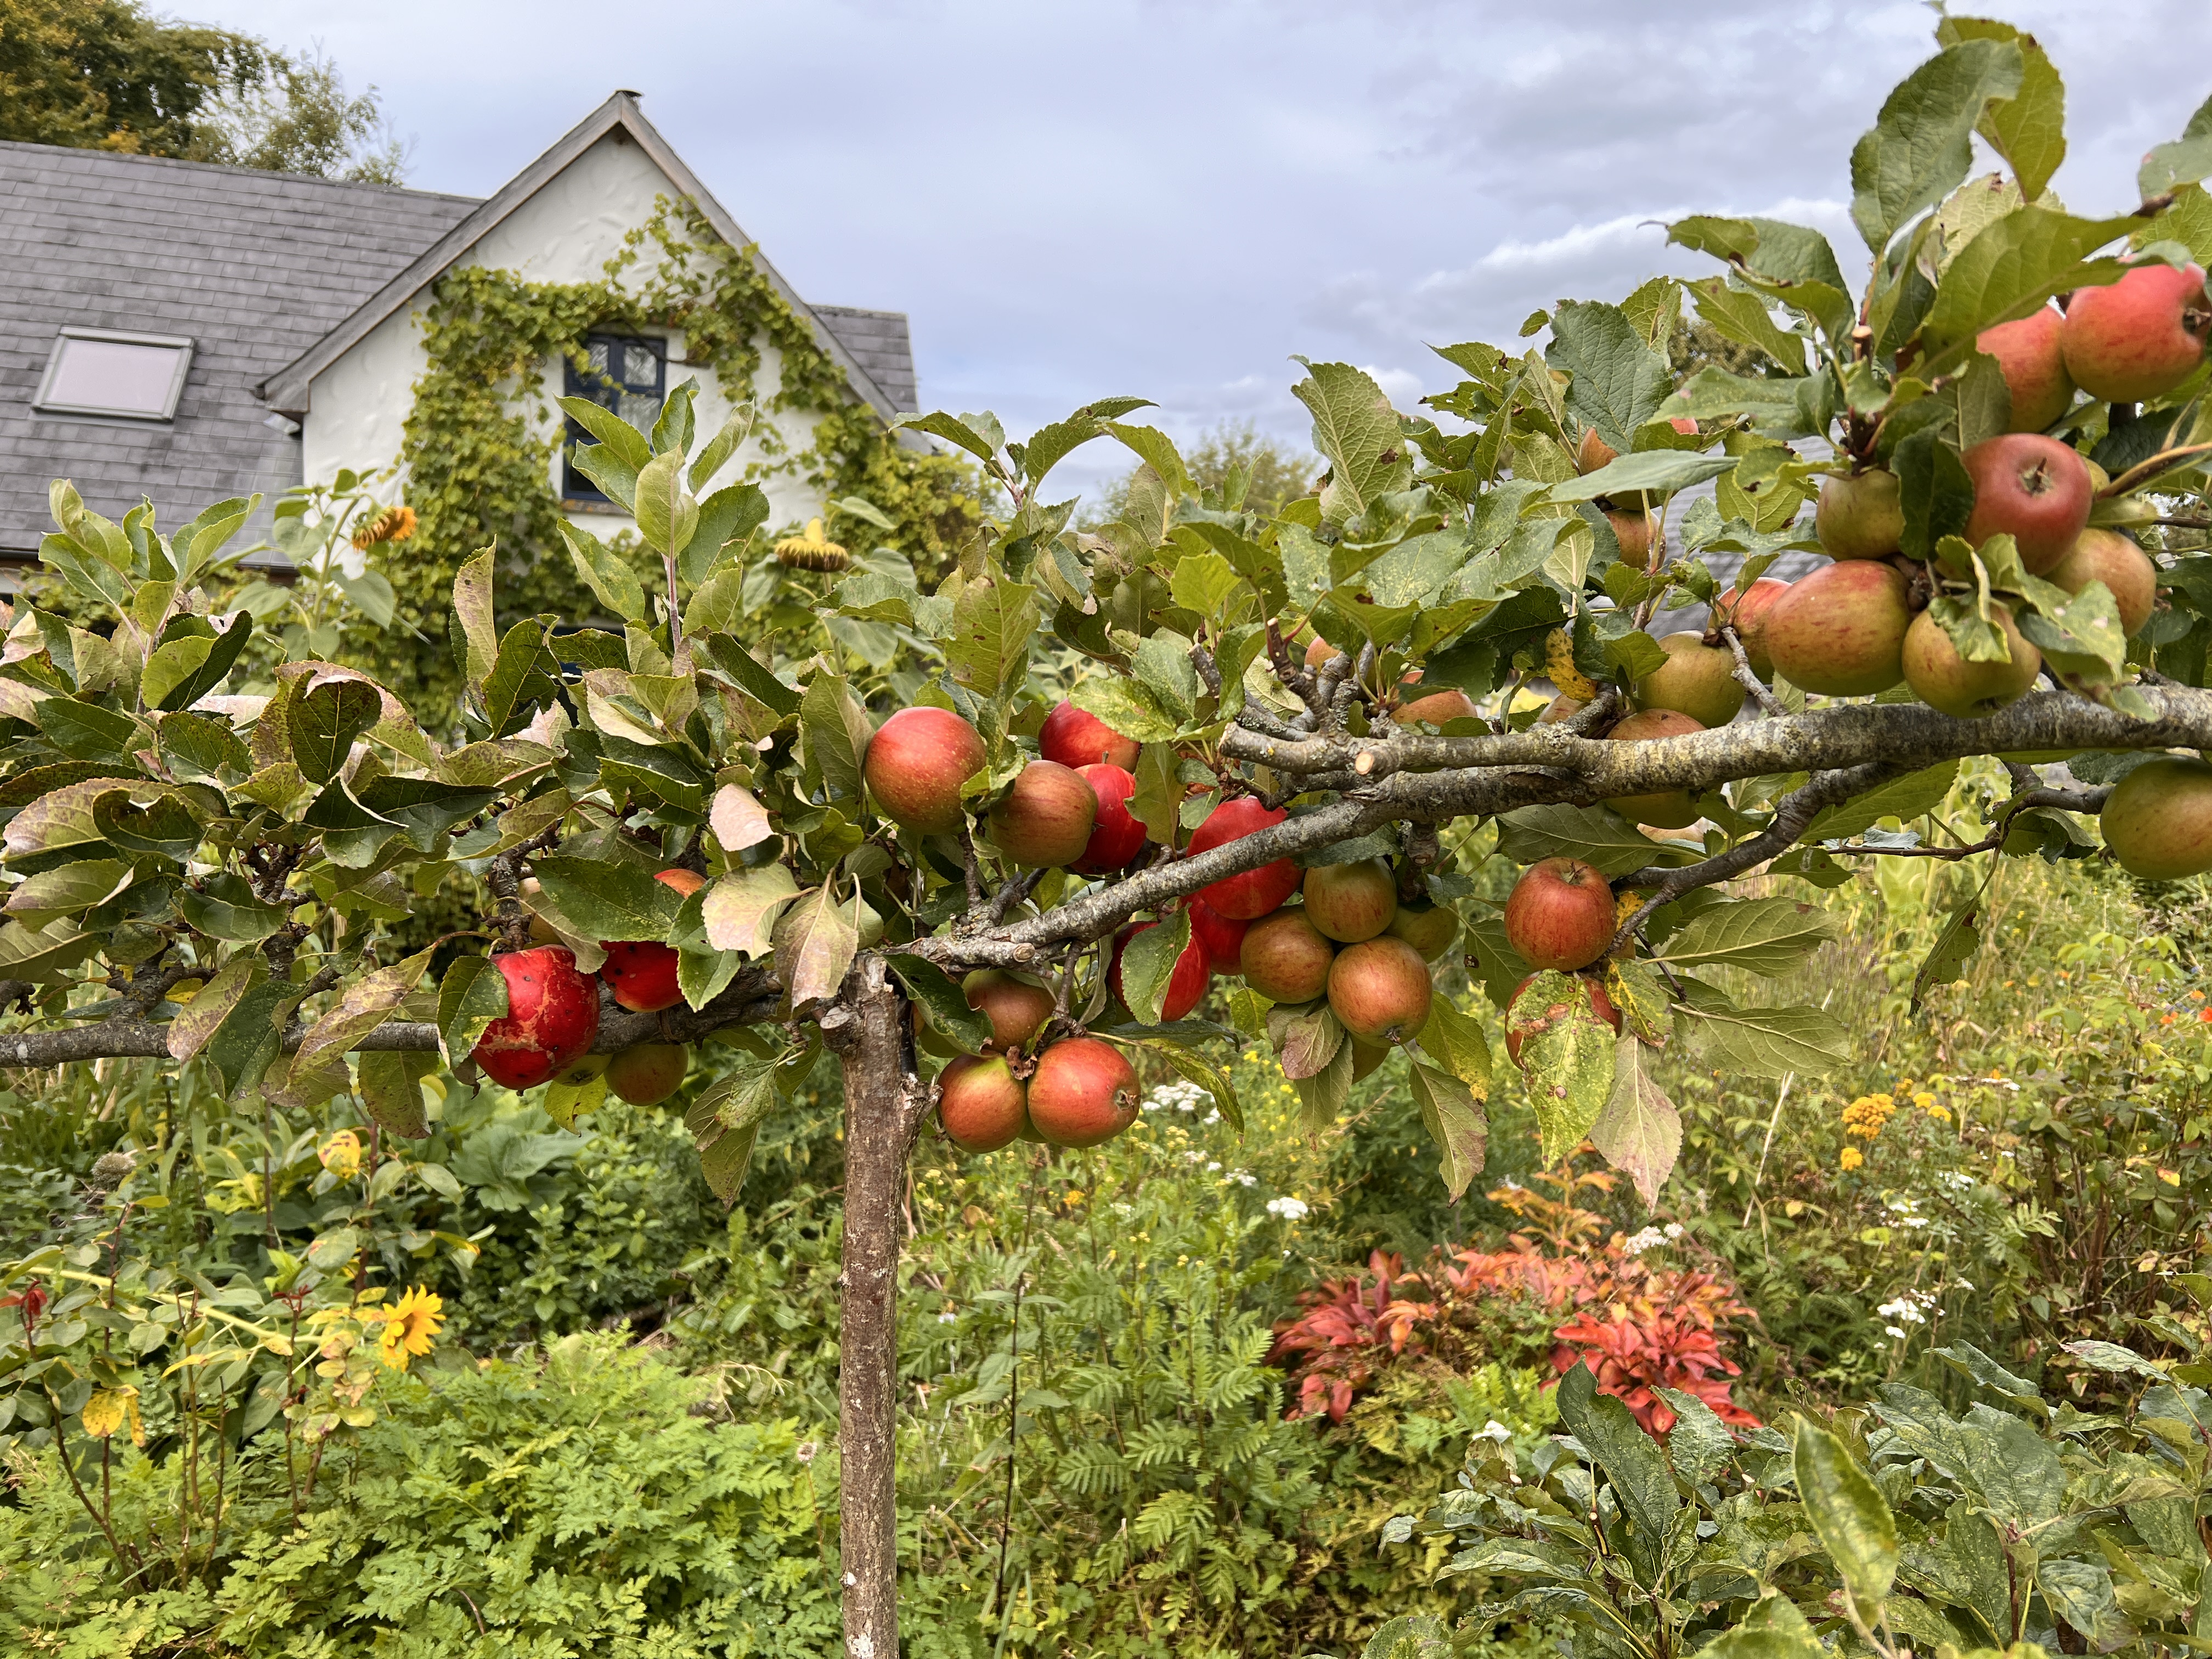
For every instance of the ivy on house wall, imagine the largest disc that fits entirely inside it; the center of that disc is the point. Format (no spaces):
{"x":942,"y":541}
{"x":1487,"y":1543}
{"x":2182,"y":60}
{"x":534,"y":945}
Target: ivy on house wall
{"x":482,"y":437}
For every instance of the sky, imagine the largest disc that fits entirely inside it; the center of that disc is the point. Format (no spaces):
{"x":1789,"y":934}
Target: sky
{"x":1091,"y":197}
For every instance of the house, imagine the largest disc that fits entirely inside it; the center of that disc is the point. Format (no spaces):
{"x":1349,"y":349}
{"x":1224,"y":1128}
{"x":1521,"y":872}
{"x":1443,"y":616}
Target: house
{"x":189,"y":332}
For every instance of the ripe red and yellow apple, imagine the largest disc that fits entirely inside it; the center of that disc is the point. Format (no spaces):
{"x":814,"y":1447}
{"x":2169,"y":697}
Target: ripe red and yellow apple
{"x":915,"y":764}
{"x":1076,"y":737}
{"x":1116,"y":836}
{"x":1862,"y":516}
{"x":1697,"y":679}
{"x":641,"y":972}
{"x":2158,"y":819}
{"x":1840,"y":631}
{"x":1285,"y":957}
{"x":1437,"y":707}
{"x":1016,"y":1009}
{"x":1943,"y":679}
{"x":1429,"y":928}
{"x":981,"y":1104}
{"x":647,"y":1073}
{"x":2027,"y":352}
{"x":1187,"y":981}
{"x":1220,"y":937}
{"x":1560,"y":915}
{"x":2034,"y":488}
{"x":1352,"y":902}
{"x":2110,"y":557}
{"x":552,"y":1018}
{"x":1083,"y":1093}
{"x":1379,"y":988}
{"x":1747,"y":613}
{"x":2139,"y":338}
{"x":1253,"y":893}
{"x":1047,"y":817}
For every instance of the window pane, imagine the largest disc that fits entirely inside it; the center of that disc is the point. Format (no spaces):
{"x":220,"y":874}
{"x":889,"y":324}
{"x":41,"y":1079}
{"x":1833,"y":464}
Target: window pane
{"x":597,"y":353}
{"x":113,"y":375}
{"x":640,"y":409}
{"x":640,"y":366}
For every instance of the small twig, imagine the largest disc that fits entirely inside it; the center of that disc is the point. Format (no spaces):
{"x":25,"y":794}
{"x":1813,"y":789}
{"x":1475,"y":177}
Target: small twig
{"x":969,"y":867}
{"x":1209,"y":672}
{"x":1769,"y":704}
{"x":1013,"y":893}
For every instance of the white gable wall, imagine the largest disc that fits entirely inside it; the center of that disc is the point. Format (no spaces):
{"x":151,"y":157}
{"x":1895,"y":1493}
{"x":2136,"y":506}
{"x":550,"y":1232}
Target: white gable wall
{"x":565,"y":233}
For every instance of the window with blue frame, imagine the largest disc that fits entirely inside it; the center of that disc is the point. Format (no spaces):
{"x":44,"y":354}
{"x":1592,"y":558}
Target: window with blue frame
{"x":629,"y":376}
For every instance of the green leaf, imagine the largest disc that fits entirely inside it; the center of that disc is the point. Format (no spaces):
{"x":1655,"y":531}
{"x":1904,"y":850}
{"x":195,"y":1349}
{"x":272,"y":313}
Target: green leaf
{"x":1658,"y":471}
{"x":197,"y":541}
{"x":523,"y":678}
{"x":1455,"y":1041}
{"x":725,"y":1121}
{"x":1769,"y":936}
{"x":945,"y":1007}
{"x":835,"y":731}
{"x":1774,"y":1629}
{"x":190,"y":1031}
{"x":740,"y":908}
{"x":1148,"y":964}
{"x":364,"y":1003}
{"x":1452,"y":1113}
{"x":1153,"y":448}
{"x":472,"y":608}
{"x":1849,"y":1516}
{"x":624,"y":442}
{"x":1954,"y":947}
{"x":391,"y":1090}
{"x":1762,"y":1041}
{"x":1905,"y":799}
{"x":614,"y":584}
{"x":1633,"y":1464}
{"x":1619,"y":381}
{"x":938,"y":424}
{"x":323,"y":724}
{"x":1699,"y":1445}
{"x":472,"y":994}
{"x":227,"y":910}
{"x":1132,"y":710}
{"x":1197,"y":1068}
{"x":741,"y":665}
{"x":2081,"y":637}
{"x":85,"y":731}
{"x":1323,"y":1096}
{"x":730,"y":514}
{"x":616,"y":478}
{"x":1355,"y":426}
{"x":67,"y":890}
{"x":1567,"y":1057}
{"x":1741,"y":315}
{"x":609,"y":901}
{"x":2189,"y":158}
{"x":247,"y":1040}
{"x":816,"y":940}
{"x":1202,"y":583}
{"x":1640,"y":1132}
{"x":1920,"y":147}
{"x":1307,"y":1039}
{"x":2012,"y":269}
{"x":992,"y":623}
{"x":1598,"y":835}
{"x":673,"y":430}
{"x":666,"y":514}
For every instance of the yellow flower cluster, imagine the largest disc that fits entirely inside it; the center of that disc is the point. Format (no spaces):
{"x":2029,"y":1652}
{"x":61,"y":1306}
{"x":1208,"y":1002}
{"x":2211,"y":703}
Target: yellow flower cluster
{"x":1852,"y":1157}
{"x":411,"y":1327}
{"x":1866,"y":1115}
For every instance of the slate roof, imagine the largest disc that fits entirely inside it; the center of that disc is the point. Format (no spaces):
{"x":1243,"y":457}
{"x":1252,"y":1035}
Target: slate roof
{"x":879,"y":342}
{"x":254,"y":267}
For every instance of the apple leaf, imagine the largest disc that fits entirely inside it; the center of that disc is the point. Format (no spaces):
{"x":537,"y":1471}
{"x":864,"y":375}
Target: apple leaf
{"x":1566,"y":1055}
{"x":609,"y":902}
{"x":1148,"y":964}
{"x":1762,"y":1041}
{"x":1921,"y":145}
{"x":741,"y":908}
{"x":816,"y":940}
{"x":1306,"y":1038}
{"x":472,"y":994}
{"x":1452,"y":1113}
{"x":365,"y":1004}
{"x":1640,"y":1132}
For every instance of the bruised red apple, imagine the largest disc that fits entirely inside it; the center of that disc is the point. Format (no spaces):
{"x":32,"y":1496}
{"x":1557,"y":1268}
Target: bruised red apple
{"x":2140,"y":337}
{"x":1016,"y":1009}
{"x":1665,"y":809}
{"x":1840,"y":631}
{"x":1437,"y":707}
{"x":2034,"y":488}
{"x":1379,"y":988}
{"x":1220,"y":937}
{"x":2158,"y":819}
{"x":1697,"y":679}
{"x":552,"y":1018}
{"x":2034,"y":367}
{"x":641,"y":972}
{"x":1286,"y":958}
{"x":1522,"y":1026}
{"x":1860,"y":517}
{"x":2108,"y":556}
{"x":1187,"y":981}
{"x":981,"y":1104}
{"x":1560,"y":915}
{"x":1047,"y":817}
{"x":915,"y":764}
{"x":1083,"y":1093}
{"x":648,"y":1073}
{"x":1352,"y":902}
{"x":1429,"y":928}
{"x":1076,"y":737}
{"x":1746,"y":612}
{"x":1943,"y":679}
{"x":1116,"y":836}
{"x":1255,"y":892}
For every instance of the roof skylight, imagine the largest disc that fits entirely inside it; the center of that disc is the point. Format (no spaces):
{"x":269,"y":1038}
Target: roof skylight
{"x":136,"y":377}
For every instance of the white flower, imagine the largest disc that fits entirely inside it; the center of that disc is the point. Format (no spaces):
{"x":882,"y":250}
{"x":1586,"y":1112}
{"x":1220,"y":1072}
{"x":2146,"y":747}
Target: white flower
{"x":1212,"y":1166}
{"x":944,"y":1319}
{"x":1124,"y":1211}
{"x":1176,"y":1096}
{"x":1636,"y":1243}
{"x":1673,"y":1229}
{"x":1894,"y":1332}
{"x":1291,"y":1209}
{"x":1238,"y":1177}
{"x":1494,"y":1430}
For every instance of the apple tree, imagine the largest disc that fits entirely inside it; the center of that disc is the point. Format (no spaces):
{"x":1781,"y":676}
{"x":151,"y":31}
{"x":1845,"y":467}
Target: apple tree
{"x":989,"y":845}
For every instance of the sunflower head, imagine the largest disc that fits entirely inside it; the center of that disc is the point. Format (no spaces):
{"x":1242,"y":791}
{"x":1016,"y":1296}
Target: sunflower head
{"x":411,"y":1327}
{"x":813,"y":550}
{"x":394,"y":524}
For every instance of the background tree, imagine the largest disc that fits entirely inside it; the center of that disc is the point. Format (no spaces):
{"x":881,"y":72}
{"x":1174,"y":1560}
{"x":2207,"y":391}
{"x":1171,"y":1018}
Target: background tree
{"x":109,"y":75}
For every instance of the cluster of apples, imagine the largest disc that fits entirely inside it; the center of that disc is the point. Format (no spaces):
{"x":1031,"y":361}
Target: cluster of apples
{"x":1077,"y":1091}
{"x":552,"y":1016}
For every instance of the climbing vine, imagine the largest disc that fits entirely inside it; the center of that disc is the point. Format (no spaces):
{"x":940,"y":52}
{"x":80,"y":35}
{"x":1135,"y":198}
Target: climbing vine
{"x":483,"y":436}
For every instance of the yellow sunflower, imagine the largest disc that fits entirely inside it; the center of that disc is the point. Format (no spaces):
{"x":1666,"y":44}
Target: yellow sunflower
{"x":411,"y":1327}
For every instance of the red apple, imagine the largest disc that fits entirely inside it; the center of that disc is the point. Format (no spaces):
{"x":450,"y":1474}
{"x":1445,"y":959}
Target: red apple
{"x":1840,"y":631}
{"x":915,"y":764}
{"x":2140,"y":337}
{"x":1636,"y":532}
{"x":1285,"y":958}
{"x":1437,"y":707}
{"x":1697,"y":679}
{"x":1016,"y":1009}
{"x":1379,"y":988}
{"x":552,"y":1018}
{"x":641,"y":972}
{"x":1429,"y":928}
{"x":1047,"y":817}
{"x":1083,"y":1093}
{"x":647,"y":1074}
{"x":1186,"y":983}
{"x":1220,"y":937}
{"x":2108,"y":556}
{"x":981,"y":1104}
{"x":1255,"y":892}
{"x":2034,"y":367}
{"x":1560,"y":915}
{"x":1076,"y":737}
{"x":1747,"y":613}
{"x":2032,"y":488}
{"x":2158,"y":819}
{"x":1664,"y":809}
{"x":1349,"y":903}
{"x":1116,"y":836}
{"x":1516,"y":1033}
